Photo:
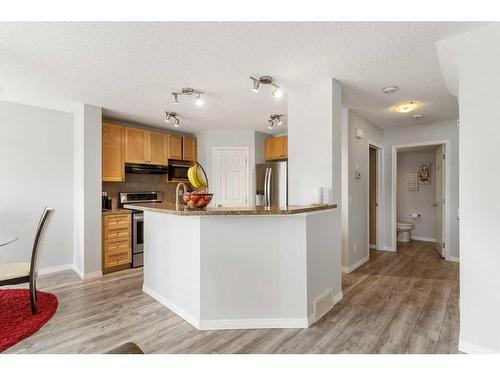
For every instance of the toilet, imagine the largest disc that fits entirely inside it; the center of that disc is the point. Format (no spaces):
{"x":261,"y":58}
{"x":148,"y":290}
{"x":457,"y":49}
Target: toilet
{"x":403,"y":230}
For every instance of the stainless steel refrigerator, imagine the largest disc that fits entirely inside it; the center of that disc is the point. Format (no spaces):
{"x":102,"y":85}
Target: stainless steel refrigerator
{"x":272,"y":183}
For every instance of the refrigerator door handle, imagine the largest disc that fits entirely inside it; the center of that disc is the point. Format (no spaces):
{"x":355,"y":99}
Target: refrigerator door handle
{"x":265,"y":187}
{"x":269,"y":179}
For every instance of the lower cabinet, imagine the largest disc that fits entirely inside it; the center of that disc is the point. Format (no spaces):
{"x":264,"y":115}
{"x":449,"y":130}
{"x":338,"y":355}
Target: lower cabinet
{"x":116,"y":242}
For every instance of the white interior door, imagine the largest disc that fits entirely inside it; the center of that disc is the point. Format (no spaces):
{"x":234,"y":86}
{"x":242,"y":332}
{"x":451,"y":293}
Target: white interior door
{"x":439,"y":204}
{"x":231,"y":177}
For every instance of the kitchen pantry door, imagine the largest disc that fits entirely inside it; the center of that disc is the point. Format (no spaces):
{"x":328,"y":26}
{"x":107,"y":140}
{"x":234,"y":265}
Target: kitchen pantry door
{"x":230,"y":176}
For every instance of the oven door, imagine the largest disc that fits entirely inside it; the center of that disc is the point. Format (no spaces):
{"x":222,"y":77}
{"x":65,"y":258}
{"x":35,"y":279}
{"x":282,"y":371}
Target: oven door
{"x":178,"y":172}
{"x":137,"y":239}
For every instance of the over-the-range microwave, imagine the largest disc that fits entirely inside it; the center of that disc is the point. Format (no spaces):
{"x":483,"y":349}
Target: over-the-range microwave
{"x":178,"y":171}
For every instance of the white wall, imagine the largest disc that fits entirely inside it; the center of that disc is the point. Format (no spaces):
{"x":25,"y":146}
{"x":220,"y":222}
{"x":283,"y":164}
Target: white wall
{"x":420,"y":201}
{"x":208,"y":139}
{"x":445,"y":130}
{"x":358,"y":151}
{"x":87,"y":186}
{"x":260,"y":147}
{"x":313,"y":116}
{"x":476,"y":57}
{"x":36,"y":169}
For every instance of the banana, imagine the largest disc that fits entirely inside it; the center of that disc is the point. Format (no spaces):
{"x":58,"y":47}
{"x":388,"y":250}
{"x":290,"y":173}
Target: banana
{"x":192,"y":177}
{"x":200,"y":177}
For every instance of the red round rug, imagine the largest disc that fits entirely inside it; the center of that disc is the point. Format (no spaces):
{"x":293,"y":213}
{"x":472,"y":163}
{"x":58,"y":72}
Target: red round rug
{"x":16,"y":320}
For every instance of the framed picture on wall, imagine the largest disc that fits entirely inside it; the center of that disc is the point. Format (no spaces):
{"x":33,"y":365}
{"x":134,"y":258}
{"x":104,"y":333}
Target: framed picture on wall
{"x":424,"y":174}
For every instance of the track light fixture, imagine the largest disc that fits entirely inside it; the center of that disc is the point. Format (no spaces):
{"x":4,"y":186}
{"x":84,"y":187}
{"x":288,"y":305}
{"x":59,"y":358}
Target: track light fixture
{"x":188,"y":91}
{"x":274,"y":119}
{"x":266,"y":80}
{"x":172,"y":115}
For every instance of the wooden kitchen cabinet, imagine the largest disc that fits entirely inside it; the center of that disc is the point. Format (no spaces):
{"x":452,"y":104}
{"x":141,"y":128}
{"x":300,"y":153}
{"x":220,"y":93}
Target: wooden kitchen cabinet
{"x":175,"y":146}
{"x":116,"y":242}
{"x":189,"y":147}
{"x":156,"y":149}
{"x":277,"y":148}
{"x":136,"y":145}
{"x":113,"y":152}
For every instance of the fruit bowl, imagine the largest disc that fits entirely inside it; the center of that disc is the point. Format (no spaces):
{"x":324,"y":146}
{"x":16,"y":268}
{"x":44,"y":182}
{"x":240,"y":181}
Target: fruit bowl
{"x":197,"y":199}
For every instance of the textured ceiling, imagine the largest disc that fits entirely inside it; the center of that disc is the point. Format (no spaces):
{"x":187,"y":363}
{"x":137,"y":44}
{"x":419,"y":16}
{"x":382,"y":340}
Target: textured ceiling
{"x":130,"y":68}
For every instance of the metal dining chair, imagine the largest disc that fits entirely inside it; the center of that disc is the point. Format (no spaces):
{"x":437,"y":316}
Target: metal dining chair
{"x":19,"y":273}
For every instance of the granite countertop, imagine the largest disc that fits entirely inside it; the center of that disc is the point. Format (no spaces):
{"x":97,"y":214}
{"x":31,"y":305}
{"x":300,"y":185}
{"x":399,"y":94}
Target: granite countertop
{"x":170,"y":208}
{"x":116,"y":211}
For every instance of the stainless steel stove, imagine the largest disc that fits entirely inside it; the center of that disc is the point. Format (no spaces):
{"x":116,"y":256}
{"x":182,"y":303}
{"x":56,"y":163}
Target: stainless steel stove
{"x":138,"y":221}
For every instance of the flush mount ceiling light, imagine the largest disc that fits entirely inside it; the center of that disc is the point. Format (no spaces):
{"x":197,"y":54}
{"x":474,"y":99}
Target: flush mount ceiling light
{"x":188,"y":91}
{"x":169,"y":116}
{"x":266,"y":80}
{"x":390,"y":89}
{"x":274,"y":119}
{"x":405,"y":107}
{"x":417,"y":116}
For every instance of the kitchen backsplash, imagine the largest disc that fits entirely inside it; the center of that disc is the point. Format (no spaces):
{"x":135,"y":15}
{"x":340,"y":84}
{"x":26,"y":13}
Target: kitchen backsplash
{"x":140,"y":182}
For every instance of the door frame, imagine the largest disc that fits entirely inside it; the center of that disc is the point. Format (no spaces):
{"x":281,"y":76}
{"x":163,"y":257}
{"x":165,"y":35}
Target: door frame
{"x":446,"y":143}
{"x":380,"y":178}
{"x":214,"y":167}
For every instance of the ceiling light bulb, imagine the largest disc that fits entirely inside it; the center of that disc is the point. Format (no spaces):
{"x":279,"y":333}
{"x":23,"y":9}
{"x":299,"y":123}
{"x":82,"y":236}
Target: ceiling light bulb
{"x":278,"y":120}
{"x":199,"y":101}
{"x":270,"y":124}
{"x":167,"y":117}
{"x":277,"y":93}
{"x":256,"y":85}
{"x":174,"y":97}
{"x":176,"y":123}
{"x":405,"y":107}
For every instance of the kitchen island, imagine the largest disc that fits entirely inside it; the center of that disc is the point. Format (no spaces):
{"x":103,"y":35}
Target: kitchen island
{"x":240,"y":268}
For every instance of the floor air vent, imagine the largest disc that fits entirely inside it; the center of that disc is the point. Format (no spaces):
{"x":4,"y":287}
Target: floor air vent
{"x":322,"y":304}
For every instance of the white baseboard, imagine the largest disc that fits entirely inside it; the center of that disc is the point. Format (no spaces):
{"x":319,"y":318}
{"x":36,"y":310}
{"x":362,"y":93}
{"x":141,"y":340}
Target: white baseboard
{"x":359,"y":263}
{"x":194,"y":321}
{"x":470,"y":348}
{"x":87,"y":276}
{"x":206,"y":325}
{"x":387,"y":248}
{"x":232,"y":323}
{"x":452,"y":259}
{"x":426,"y":239}
{"x":53,"y":269}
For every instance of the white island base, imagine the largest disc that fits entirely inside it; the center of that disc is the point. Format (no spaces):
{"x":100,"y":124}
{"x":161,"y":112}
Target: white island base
{"x":243,"y":271}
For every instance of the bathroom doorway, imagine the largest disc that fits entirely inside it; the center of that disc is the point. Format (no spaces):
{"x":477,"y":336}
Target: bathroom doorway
{"x":419,"y":194}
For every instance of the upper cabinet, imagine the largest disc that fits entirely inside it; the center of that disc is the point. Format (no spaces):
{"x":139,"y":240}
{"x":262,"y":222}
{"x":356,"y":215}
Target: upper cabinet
{"x":136,"y":145}
{"x":157,"y":154}
{"x":189,"y":148}
{"x":113,"y":152}
{"x":277,"y":148}
{"x":144,"y":147}
{"x":174,"y":146}
{"x":181,"y":147}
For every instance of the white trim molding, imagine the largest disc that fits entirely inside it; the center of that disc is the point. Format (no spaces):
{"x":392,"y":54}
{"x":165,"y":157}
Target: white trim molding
{"x":194,"y":321}
{"x":54,"y":269}
{"x":452,"y":259}
{"x":471,"y":348}
{"x":87,"y":276}
{"x":359,"y":263}
{"x":311,"y":319}
{"x":206,"y":325}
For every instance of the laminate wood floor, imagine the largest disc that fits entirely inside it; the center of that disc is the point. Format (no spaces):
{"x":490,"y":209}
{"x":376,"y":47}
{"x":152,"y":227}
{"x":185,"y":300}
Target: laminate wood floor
{"x":404,"y":302}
